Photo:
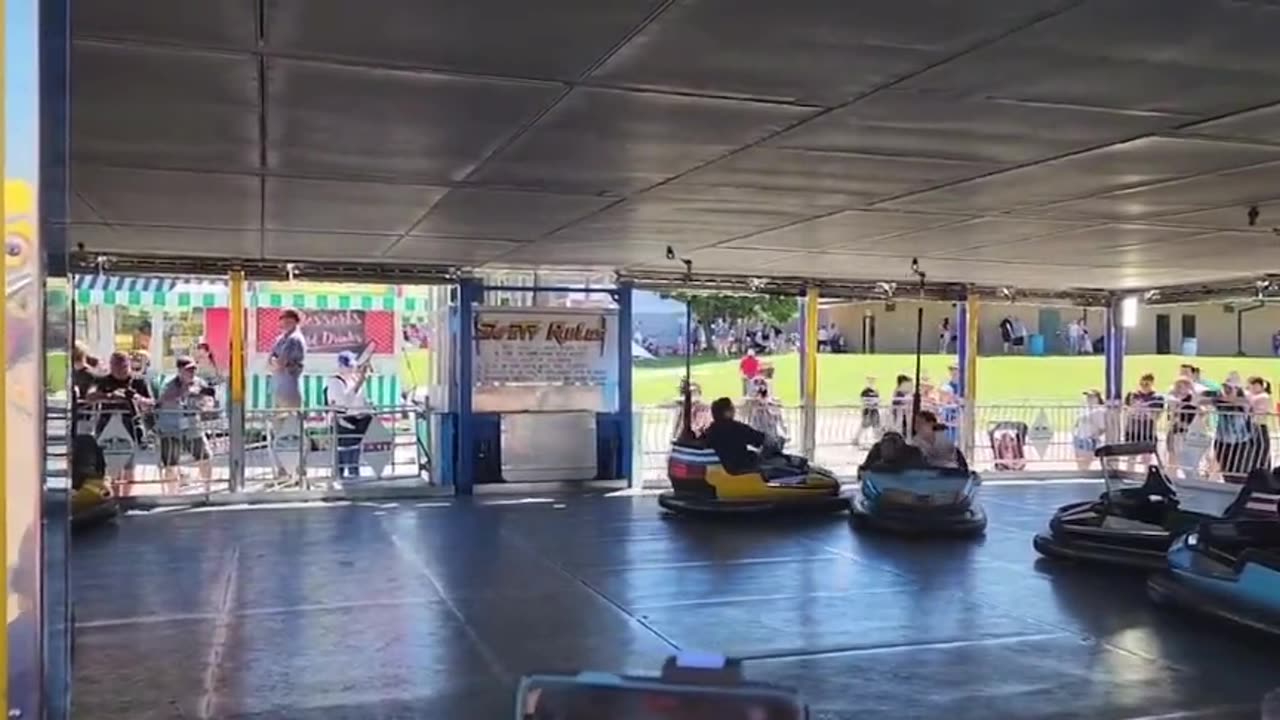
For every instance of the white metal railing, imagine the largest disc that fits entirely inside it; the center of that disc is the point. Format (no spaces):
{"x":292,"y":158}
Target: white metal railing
{"x":1201,"y":443}
{"x":187,"y":451}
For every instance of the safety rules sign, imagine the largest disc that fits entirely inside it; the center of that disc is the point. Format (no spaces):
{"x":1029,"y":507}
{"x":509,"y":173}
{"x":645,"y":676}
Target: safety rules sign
{"x":546,"y":346}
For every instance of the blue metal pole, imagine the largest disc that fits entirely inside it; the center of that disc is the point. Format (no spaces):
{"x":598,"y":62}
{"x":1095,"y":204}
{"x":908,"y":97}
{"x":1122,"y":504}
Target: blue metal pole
{"x":1115,"y":351}
{"x":625,"y":411}
{"x":470,"y":294}
{"x":962,"y":348}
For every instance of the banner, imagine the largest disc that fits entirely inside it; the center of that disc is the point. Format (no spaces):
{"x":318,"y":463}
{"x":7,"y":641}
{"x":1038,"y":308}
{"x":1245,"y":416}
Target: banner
{"x":332,"y":331}
{"x":546,"y":346}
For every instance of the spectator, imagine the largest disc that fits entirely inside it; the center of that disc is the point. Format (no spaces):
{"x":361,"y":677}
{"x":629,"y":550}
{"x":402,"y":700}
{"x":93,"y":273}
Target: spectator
{"x":749,"y":368}
{"x":83,"y":367}
{"x":1183,"y":410}
{"x":944,"y":335}
{"x":344,"y":394}
{"x":178,"y":424}
{"x":1090,"y":429}
{"x":1143,"y":408}
{"x":1259,"y":397}
{"x":120,"y":394}
{"x":902,"y":399}
{"x":1233,"y":434}
{"x":870,"y":423}
{"x":288,"y":359}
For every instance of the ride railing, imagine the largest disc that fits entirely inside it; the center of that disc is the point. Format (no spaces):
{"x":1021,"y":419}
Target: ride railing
{"x":1202,"y":443}
{"x":177,"y":452}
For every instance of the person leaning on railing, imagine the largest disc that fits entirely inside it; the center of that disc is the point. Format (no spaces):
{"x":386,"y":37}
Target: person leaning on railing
{"x":182,"y":400}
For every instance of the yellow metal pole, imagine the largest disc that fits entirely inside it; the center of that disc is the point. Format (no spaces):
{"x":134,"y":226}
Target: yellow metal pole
{"x":809,"y":379}
{"x":236,"y":406}
{"x":970,"y":370}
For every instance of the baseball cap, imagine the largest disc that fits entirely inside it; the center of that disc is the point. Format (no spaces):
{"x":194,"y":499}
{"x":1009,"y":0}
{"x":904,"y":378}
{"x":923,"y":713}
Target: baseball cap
{"x":184,"y":361}
{"x":346,"y":359}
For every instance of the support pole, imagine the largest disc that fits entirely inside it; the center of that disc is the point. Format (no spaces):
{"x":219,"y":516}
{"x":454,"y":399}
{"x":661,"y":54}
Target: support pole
{"x":235,"y":390}
{"x":967,"y":321}
{"x":470,"y":294}
{"x":1115,"y":351}
{"x":809,"y":374}
{"x":626,"y":418}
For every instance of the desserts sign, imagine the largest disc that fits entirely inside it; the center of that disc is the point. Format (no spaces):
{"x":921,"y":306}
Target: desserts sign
{"x":546,"y":347}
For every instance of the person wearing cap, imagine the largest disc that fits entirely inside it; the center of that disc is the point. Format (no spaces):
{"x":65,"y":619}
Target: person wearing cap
{"x":930,"y":437}
{"x":344,"y":396}
{"x":120,"y":393}
{"x":182,"y":400}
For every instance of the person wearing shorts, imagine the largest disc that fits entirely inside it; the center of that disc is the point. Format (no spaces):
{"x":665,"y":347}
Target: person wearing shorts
{"x":1090,"y":428}
{"x":1142,"y":408}
{"x":178,"y":425}
{"x":1234,"y":435}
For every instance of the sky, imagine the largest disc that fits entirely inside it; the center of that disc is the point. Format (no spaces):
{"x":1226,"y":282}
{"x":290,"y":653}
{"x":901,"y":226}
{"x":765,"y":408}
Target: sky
{"x":22,"y":90}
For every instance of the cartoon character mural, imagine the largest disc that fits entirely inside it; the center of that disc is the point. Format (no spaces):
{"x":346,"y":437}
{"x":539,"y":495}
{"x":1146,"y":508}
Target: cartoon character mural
{"x":23,"y":380}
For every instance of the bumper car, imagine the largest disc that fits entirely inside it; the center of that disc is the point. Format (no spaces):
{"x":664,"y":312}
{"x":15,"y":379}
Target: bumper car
{"x":1130,"y":524}
{"x":1230,"y":569}
{"x":919,"y":501}
{"x":700,"y":485}
{"x":92,"y":501}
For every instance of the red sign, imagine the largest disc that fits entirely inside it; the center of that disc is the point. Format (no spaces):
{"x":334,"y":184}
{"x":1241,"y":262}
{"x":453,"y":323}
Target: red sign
{"x":333,"y":331}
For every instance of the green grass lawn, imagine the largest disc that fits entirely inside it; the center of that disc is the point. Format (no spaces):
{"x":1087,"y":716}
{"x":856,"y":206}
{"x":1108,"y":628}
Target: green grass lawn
{"x":1000,"y":379}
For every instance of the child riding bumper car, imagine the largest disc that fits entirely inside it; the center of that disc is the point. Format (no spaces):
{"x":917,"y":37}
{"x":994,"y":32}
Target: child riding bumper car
{"x":1129,"y":525}
{"x":719,"y":474}
{"x":1230,"y":569}
{"x":92,"y":501}
{"x":901,"y":493}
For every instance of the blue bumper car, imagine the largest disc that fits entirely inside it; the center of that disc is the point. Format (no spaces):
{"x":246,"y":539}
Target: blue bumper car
{"x":919,"y":501}
{"x":1132,"y":524}
{"x":1228,"y":569}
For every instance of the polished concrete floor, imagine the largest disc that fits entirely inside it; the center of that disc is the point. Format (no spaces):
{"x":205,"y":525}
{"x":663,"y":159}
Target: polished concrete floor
{"x":433,"y":609}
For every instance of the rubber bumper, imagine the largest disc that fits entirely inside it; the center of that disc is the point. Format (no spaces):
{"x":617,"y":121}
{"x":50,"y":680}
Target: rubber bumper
{"x":96,"y":515}
{"x":968,"y":523}
{"x":1063,"y":546}
{"x":694,"y":505}
{"x":1166,"y":589}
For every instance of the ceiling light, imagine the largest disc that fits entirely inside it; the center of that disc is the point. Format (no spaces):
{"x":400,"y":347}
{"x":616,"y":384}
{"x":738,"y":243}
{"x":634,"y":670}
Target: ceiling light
{"x":1129,"y":311}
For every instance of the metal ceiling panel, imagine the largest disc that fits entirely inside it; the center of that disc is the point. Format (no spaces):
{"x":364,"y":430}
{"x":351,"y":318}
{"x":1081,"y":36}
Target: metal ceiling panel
{"x":135,"y":240}
{"x":894,"y":268}
{"x":1196,"y":58}
{"x":152,"y":197}
{"x":466,"y":212}
{"x":1093,"y":245}
{"x":1234,"y":217}
{"x":843,"y":230}
{"x":1262,"y":124}
{"x":1115,"y":167}
{"x":819,"y":51}
{"x":330,"y":205}
{"x":447,"y":251}
{"x":728,"y":260}
{"x":414,"y":126}
{"x":81,"y":211}
{"x":1244,"y":187}
{"x":325,"y":246}
{"x":802,"y":203}
{"x":679,"y":222}
{"x":860,"y":178}
{"x":976,"y":129}
{"x":551,"y":38}
{"x":160,"y":107}
{"x":958,"y":237}
{"x":213,"y":23}
{"x":607,"y":141}
{"x":604,"y":254}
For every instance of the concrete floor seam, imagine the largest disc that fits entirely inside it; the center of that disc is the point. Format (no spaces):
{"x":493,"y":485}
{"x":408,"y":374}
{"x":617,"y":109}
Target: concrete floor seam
{"x":900,"y":647}
{"x":221,"y":632}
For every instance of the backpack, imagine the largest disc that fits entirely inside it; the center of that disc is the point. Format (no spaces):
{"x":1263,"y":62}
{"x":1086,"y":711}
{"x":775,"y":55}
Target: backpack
{"x":324,"y":393}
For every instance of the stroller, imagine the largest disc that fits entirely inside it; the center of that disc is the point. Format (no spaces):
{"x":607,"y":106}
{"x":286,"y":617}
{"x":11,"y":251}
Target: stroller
{"x":1008,"y":445}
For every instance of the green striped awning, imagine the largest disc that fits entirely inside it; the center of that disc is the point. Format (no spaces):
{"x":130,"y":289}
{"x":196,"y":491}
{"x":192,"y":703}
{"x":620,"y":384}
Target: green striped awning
{"x":185,"y":293}
{"x":181,"y":293}
{"x":310,"y":301}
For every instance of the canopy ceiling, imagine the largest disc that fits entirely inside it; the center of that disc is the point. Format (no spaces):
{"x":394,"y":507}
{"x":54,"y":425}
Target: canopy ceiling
{"x":1036,"y":143}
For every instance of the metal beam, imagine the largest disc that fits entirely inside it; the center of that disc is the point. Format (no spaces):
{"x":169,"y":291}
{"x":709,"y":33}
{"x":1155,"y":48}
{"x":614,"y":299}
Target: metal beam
{"x":335,"y":271}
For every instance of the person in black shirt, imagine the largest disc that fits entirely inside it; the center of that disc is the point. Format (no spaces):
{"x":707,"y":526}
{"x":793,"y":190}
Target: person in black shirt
{"x":870,"y":413}
{"x":120,"y":393}
{"x":82,"y":372}
{"x":732,"y":440}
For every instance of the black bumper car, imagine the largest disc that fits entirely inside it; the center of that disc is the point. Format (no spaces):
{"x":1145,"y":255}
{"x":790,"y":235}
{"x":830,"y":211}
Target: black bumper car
{"x":919,"y":502}
{"x":92,"y":501}
{"x":1230,"y":569}
{"x":700,"y":485}
{"x":1129,"y":525}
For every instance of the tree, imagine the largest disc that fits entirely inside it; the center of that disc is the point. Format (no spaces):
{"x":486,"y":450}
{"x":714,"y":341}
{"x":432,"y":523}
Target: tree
{"x":776,"y":309}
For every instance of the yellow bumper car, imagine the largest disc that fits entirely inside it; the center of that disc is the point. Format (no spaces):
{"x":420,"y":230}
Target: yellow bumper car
{"x":700,"y":485}
{"x":92,"y":501}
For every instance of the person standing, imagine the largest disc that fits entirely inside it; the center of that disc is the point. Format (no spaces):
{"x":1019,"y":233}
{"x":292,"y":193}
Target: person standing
{"x":345,"y":396}
{"x":870,"y":423}
{"x":178,"y":424}
{"x":120,"y":393}
{"x":1143,"y":408}
{"x":287,"y":361}
{"x":749,"y":368}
